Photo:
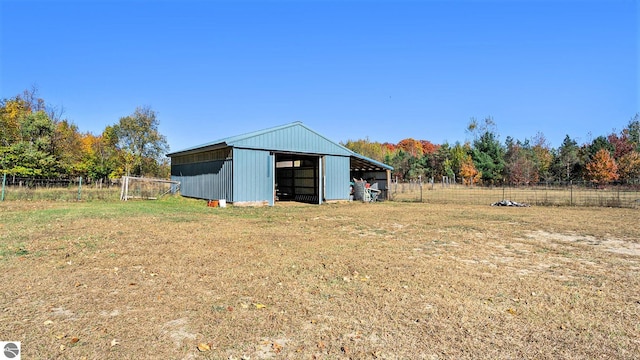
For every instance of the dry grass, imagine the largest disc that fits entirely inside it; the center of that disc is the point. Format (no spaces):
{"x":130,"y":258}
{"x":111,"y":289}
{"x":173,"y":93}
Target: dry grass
{"x":389,"y":280}
{"x":534,"y":195}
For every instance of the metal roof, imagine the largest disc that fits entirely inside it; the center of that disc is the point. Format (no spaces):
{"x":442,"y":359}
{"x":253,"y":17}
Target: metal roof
{"x":294,"y":137}
{"x":359,"y":162}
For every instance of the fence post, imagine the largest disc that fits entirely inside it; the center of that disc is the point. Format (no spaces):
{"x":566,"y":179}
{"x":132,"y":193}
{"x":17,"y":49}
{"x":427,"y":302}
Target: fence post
{"x":80,"y":188}
{"x":420,"y":183}
{"x":571,"y":192}
{"x":4,"y":181}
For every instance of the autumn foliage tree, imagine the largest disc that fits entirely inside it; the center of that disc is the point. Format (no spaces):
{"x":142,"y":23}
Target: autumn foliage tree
{"x":468,"y":171}
{"x":370,"y":149}
{"x":411,"y":146}
{"x":36,"y":143}
{"x":428,"y":147}
{"x":602,"y":168}
{"x":629,"y":166}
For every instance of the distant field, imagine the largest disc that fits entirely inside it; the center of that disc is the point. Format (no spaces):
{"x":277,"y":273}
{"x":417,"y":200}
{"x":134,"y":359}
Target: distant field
{"x":156,"y":279}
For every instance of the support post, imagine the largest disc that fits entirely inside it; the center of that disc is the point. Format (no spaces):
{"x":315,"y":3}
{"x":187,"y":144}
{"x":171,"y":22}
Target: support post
{"x":4,"y":182}
{"x":122,"y":190}
{"x":320,"y":181}
{"x":388,"y":194}
{"x":571,"y":192}
{"x":80,"y":188}
{"x":126,"y":188}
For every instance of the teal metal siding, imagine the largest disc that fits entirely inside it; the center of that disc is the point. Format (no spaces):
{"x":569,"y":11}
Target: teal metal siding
{"x":253,"y":176}
{"x":205,"y":180}
{"x":336,"y":177}
{"x":292,"y":138}
{"x":249,"y":177}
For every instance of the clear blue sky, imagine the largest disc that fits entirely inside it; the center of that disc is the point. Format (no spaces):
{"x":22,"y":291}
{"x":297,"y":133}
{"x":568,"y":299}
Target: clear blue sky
{"x":386,"y":70}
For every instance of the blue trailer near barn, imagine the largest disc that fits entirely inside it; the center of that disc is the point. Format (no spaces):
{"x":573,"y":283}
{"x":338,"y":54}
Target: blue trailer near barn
{"x":288,"y":162}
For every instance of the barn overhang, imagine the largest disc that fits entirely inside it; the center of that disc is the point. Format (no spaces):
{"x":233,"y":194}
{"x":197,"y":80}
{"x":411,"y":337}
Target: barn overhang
{"x":361,"y":163}
{"x":198,"y":149}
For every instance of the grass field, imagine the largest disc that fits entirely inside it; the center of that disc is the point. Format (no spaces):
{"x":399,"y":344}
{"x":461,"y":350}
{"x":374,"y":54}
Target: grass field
{"x":392,"y":280}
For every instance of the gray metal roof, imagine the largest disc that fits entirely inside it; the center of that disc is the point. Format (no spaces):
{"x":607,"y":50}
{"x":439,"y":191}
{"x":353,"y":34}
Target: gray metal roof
{"x":294,"y":137}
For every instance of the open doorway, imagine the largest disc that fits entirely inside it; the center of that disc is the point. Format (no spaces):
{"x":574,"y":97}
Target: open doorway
{"x":297,"y":178}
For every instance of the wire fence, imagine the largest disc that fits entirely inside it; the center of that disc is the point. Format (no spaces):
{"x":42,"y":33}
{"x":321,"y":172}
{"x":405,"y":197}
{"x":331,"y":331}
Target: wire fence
{"x":76,"y":189}
{"x":544,"y":194}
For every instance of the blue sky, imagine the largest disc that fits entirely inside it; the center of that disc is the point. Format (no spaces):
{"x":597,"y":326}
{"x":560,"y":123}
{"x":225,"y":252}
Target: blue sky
{"x":383,"y":70}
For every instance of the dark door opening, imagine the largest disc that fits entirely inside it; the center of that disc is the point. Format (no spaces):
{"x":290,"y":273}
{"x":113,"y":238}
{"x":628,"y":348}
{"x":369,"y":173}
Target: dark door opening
{"x":297,"y":178}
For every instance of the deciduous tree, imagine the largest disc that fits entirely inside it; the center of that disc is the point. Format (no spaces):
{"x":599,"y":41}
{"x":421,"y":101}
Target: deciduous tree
{"x":602,"y":168}
{"x":411,"y":146}
{"x":629,"y":166}
{"x":428,"y":147}
{"x":32,"y":153}
{"x":373,"y":150}
{"x":520,"y":164}
{"x":621,"y":144}
{"x":139,"y":138}
{"x":468,"y":171}
{"x":543,"y":156}
{"x":67,"y":144}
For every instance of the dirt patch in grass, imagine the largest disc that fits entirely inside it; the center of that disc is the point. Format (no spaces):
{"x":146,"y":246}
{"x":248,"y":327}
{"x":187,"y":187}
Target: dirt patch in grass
{"x":627,"y":247}
{"x":391,"y":280}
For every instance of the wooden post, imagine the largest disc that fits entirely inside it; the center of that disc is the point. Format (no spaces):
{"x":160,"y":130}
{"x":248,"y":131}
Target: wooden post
{"x":571,"y":192}
{"x":126,"y":189}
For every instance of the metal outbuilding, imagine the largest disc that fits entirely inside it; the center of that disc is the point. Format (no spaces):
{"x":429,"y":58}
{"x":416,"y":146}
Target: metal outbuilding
{"x":288,"y":162}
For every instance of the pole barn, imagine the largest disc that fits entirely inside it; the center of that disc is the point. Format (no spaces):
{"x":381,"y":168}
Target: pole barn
{"x":285,"y":163}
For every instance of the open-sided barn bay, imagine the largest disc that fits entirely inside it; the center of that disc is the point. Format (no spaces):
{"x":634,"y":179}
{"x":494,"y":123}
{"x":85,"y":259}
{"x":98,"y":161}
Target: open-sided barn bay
{"x":386,"y":280}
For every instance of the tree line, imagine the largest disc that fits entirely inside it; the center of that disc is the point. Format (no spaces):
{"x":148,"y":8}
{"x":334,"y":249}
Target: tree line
{"x":486,"y":160}
{"x":36,"y":142}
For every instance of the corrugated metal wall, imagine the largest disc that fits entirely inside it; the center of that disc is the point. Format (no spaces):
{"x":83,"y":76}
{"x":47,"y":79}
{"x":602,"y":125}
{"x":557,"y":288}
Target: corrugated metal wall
{"x":205,"y":180}
{"x":336,"y":177}
{"x":294,"y":139}
{"x":253,"y":175}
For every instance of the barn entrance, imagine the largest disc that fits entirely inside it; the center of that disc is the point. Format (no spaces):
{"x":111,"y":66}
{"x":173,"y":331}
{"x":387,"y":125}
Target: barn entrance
{"x":297,"y":178}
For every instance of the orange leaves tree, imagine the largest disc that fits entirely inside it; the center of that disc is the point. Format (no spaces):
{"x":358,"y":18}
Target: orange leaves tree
{"x":428,"y":147}
{"x":602,"y":168}
{"x":468,"y":171}
{"x":411,"y":146}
